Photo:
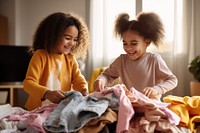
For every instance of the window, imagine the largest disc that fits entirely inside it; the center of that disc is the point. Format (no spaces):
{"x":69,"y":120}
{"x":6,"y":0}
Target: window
{"x":103,"y":13}
{"x":105,"y":47}
{"x":114,"y":45}
{"x":181,"y":44}
{"x":171,"y":15}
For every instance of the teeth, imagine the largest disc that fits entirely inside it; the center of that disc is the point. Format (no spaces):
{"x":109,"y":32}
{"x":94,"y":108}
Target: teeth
{"x":66,"y":47}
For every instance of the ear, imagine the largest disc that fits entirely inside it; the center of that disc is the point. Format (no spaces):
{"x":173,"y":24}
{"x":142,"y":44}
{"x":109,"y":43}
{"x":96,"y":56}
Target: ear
{"x":148,"y":41}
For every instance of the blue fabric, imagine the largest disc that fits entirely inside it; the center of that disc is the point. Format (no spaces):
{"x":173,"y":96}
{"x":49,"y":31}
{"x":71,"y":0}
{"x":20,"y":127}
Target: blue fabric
{"x":74,"y":112}
{"x":113,"y":101}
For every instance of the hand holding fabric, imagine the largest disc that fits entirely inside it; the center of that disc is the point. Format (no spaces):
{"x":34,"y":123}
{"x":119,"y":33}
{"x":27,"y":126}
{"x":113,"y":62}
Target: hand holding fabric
{"x":150,"y":92}
{"x":54,"y":96}
{"x":99,"y":85}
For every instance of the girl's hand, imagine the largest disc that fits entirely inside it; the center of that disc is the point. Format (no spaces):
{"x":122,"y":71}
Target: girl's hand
{"x":150,"y":92}
{"x":99,"y":85}
{"x":54,"y":96}
{"x":84,"y":92}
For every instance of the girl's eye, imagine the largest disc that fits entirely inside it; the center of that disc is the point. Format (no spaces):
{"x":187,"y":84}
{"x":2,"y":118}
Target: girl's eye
{"x":67,"y":38}
{"x":133,"y":44}
{"x":124,"y":43}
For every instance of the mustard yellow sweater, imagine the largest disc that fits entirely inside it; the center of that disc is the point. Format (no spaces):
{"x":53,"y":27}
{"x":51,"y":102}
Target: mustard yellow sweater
{"x":51,"y":71}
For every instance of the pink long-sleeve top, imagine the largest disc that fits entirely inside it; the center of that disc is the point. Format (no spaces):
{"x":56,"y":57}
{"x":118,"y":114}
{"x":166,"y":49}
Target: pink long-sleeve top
{"x":148,"y":71}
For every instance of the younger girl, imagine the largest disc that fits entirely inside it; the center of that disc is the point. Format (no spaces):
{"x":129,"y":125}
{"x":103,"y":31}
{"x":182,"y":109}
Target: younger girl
{"x":53,"y":68}
{"x":147,"y":72}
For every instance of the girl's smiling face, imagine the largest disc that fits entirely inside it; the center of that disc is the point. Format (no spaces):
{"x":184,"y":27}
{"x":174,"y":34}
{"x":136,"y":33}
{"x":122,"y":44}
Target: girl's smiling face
{"x":134,"y":44}
{"x":68,"y":40}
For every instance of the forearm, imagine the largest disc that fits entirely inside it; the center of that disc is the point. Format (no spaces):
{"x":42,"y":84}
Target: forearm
{"x":167,"y":85}
{"x":34,"y":89}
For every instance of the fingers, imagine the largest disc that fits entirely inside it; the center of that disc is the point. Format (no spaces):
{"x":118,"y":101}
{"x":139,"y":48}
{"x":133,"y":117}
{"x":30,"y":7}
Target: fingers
{"x":98,"y":88}
{"x":55,"y":96}
{"x":150,"y":92}
{"x":84,"y":92}
{"x":99,"y":85}
{"x":147,"y":92}
{"x":96,"y":85}
{"x":61,"y":94}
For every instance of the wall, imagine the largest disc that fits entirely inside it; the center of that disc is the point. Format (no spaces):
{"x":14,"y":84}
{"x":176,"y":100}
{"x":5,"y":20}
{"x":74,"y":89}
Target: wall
{"x":7,"y":8}
{"x":25,"y":15}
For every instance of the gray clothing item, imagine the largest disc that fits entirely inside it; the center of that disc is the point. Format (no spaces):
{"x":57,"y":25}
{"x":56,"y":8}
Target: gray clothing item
{"x":113,"y":99}
{"x":74,"y":112}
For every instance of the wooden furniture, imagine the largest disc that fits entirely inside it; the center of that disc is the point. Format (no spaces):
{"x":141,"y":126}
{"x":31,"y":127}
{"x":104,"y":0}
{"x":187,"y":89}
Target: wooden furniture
{"x":11,"y":88}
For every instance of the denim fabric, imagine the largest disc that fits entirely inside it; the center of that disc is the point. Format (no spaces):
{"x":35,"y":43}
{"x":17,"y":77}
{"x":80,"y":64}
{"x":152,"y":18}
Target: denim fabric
{"x":74,"y":112}
{"x":113,"y":99}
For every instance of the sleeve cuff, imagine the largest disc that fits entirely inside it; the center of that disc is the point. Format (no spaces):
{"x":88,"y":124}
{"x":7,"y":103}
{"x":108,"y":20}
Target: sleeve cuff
{"x":103,"y":77}
{"x":42,"y":98}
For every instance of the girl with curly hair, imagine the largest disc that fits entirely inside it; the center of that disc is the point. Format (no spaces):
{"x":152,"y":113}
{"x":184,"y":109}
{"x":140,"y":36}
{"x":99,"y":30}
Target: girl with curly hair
{"x":59,"y":39}
{"x":145,"y":71}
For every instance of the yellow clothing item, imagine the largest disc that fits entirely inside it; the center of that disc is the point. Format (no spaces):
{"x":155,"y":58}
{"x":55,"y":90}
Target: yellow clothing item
{"x":194,"y":104}
{"x":96,"y":72}
{"x":50,"y":71}
{"x":188,"y":108}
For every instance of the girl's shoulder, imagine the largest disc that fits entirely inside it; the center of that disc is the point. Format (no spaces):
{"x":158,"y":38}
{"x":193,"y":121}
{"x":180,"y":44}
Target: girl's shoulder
{"x":40,"y":55}
{"x":153,"y":55}
{"x":148,"y":56}
{"x":123,"y":56}
{"x":40,"y":52}
{"x":43,"y":52}
{"x":70,"y":56}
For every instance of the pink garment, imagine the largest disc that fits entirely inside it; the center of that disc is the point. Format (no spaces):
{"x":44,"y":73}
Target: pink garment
{"x":171,"y":116}
{"x":140,"y":100}
{"x":162,"y":125}
{"x":125,"y":112}
{"x":34,"y":118}
{"x":154,"y":115}
{"x":131,"y":101}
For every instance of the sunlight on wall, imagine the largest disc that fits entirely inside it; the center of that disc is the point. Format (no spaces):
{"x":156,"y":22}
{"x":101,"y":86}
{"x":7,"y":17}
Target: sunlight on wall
{"x":172,"y":20}
{"x":179,"y":26}
{"x":113,"y":8}
{"x":104,"y":13}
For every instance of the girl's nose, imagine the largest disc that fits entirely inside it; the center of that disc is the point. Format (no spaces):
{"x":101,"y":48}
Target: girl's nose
{"x":71,"y":42}
{"x":129,"y":48}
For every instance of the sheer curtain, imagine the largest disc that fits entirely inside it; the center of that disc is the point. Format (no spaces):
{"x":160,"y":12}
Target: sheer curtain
{"x":104,"y":46}
{"x":186,"y":44}
{"x":182,"y":43}
{"x":190,"y":43}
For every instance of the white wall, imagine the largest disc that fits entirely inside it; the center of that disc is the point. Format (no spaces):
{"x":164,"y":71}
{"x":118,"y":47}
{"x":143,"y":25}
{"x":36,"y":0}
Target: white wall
{"x":25,"y":15}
